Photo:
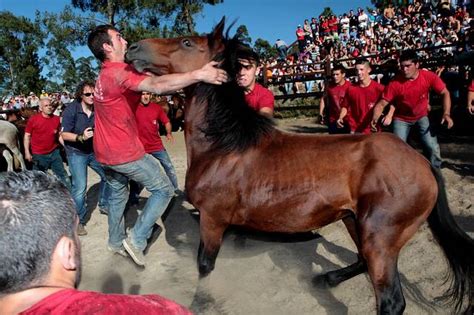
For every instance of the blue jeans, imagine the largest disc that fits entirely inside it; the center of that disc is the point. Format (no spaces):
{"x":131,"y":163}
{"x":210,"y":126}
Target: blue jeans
{"x":168,"y":167}
{"x":78,"y":168}
{"x":147,"y":172}
{"x":53,"y":161}
{"x":427,"y":137}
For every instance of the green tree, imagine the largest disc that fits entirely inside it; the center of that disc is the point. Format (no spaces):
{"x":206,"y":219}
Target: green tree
{"x":264,"y":49}
{"x":327,"y":11}
{"x":20,"y":69}
{"x":243,"y":34}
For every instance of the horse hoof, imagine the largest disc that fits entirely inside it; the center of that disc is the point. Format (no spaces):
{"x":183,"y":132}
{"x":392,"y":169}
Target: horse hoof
{"x":204,"y":271}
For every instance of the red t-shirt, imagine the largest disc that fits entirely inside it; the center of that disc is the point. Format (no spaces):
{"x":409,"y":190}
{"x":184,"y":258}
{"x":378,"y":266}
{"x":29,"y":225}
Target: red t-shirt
{"x":260,"y":97}
{"x":411,"y":97}
{"x":335,"y":95}
{"x":471,"y":87}
{"x":359,"y":102}
{"x":116,"y":138}
{"x":148,"y":119}
{"x":70,"y":301}
{"x":44,"y":133}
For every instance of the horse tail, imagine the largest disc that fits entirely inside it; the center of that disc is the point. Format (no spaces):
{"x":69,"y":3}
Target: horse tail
{"x":457,"y":246}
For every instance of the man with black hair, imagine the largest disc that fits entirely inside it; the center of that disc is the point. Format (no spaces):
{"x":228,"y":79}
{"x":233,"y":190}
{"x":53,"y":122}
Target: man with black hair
{"x":117,"y":145}
{"x":257,"y":97}
{"x":40,"y":260}
{"x":409,"y":93}
{"x":330,"y":104}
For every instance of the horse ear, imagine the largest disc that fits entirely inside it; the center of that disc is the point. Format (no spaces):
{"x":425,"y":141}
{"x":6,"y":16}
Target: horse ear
{"x":218,"y":29}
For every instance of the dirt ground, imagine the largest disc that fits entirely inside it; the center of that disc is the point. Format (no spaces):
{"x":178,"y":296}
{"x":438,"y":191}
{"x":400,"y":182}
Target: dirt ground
{"x":273,"y":274}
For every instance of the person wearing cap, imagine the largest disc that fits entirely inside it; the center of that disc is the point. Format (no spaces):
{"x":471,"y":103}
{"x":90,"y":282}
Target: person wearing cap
{"x":41,"y":142}
{"x":257,"y":97}
{"x":409,"y":93}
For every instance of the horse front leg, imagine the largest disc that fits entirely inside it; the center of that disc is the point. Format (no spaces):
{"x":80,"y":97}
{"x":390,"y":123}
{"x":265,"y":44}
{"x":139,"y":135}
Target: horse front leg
{"x":212,"y":232}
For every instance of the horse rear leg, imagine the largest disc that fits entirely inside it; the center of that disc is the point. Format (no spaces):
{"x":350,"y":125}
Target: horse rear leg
{"x":19,"y":157}
{"x":335,"y":277}
{"x":210,"y":243}
{"x":8,"y":157}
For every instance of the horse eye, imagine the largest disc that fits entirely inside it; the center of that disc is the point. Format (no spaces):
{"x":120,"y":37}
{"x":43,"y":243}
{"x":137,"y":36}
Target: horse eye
{"x":186,"y":42}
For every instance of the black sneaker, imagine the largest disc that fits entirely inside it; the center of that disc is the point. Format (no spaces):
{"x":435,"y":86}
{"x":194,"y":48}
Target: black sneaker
{"x":135,"y":253}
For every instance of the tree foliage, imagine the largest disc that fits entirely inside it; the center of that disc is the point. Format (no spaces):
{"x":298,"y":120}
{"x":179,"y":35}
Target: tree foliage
{"x":19,"y":65}
{"x":327,"y":11}
{"x":264,"y":49}
{"x":243,"y":35}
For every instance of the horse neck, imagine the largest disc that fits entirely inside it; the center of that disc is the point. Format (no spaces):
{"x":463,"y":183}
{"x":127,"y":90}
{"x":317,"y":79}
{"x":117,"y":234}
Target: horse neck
{"x":194,"y":119}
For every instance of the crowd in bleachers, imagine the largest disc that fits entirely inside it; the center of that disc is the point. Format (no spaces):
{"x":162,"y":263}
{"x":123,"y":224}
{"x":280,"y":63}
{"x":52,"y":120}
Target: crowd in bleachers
{"x":376,"y":34}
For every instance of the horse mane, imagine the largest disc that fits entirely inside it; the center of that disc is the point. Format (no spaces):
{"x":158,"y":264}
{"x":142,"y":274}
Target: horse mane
{"x":231,"y":125}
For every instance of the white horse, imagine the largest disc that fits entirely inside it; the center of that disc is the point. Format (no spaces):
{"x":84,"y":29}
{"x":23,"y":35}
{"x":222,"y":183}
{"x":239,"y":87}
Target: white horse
{"x":9,"y":137}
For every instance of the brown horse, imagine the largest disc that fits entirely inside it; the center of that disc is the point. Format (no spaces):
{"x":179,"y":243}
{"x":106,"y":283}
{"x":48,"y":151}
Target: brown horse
{"x":244,"y":171}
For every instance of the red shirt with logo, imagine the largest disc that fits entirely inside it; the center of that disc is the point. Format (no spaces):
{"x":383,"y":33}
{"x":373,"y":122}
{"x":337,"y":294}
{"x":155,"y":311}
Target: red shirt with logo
{"x":70,"y":301}
{"x":411,"y":97}
{"x":260,"y":97}
{"x":335,"y":94}
{"x":148,"y":119}
{"x":116,"y":139}
{"x":360,"y":102}
{"x":44,"y":133}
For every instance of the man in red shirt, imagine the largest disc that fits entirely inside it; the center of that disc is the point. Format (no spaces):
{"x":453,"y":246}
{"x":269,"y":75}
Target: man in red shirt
{"x":42,"y":133}
{"x":117,"y":144}
{"x":257,"y":97}
{"x":334,"y":93}
{"x":41,"y":255}
{"x":360,"y":99}
{"x":149,"y":116}
{"x":409,"y":92}
{"x":470,"y":98}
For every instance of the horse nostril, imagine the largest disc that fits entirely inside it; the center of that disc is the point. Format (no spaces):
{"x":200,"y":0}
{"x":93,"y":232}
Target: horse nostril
{"x":133,"y":47}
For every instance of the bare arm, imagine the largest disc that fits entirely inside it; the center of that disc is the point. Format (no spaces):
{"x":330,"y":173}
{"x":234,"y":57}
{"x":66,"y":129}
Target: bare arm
{"x":266,"y":111}
{"x":26,"y":143}
{"x":470,"y":100}
{"x":378,"y":110}
{"x":342,"y":114}
{"x":446,"y":108}
{"x":176,"y":81}
{"x":387,"y":120}
{"x":169,"y":135}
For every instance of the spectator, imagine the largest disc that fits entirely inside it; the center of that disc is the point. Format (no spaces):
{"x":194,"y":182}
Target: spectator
{"x":300,"y":37}
{"x":77,"y":131}
{"x":42,"y":133}
{"x":409,"y":93}
{"x":116,"y":142}
{"x":41,"y":255}
{"x":282,"y":49}
{"x":360,"y":99}
{"x":259,"y":98}
{"x":149,"y":117}
{"x":333,"y":95}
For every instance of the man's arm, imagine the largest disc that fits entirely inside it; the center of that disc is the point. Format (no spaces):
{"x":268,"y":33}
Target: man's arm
{"x":322,"y":107}
{"x":172,"y":82}
{"x":387,"y":120}
{"x":342,"y":114}
{"x":470,"y":100}
{"x":378,"y":110}
{"x":266,"y":111}
{"x":169,"y":135}
{"x":446,"y":108}
{"x":26,"y":144}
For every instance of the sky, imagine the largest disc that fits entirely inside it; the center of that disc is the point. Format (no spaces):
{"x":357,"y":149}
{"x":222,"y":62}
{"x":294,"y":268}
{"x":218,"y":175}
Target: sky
{"x":266,"y":19}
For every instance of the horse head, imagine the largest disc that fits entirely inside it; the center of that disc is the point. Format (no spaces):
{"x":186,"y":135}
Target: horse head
{"x":176,"y":55}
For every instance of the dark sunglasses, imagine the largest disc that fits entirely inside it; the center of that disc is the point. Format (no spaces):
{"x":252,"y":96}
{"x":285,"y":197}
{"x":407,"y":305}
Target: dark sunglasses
{"x":88,"y":94}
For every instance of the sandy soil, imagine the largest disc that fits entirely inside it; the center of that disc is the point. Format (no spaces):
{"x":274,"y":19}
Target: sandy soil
{"x":273,"y":274}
